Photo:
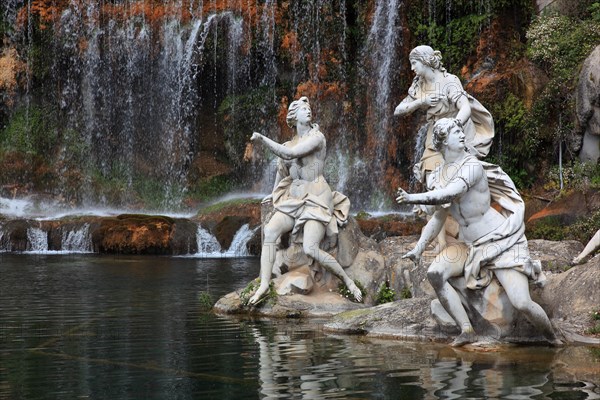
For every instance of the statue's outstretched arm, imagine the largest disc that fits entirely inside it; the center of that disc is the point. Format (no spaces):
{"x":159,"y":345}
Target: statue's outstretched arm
{"x":436,"y":196}
{"x":302,"y":149}
{"x":431,"y":230}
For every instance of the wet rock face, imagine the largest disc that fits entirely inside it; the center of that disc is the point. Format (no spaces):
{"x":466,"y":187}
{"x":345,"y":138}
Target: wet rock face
{"x":135,"y":234}
{"x":588,"y":107}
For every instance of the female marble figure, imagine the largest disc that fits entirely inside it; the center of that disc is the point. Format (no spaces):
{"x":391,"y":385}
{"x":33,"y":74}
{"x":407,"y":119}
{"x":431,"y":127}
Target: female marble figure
{"x":302,"y":198}
{"x":441,"y":95}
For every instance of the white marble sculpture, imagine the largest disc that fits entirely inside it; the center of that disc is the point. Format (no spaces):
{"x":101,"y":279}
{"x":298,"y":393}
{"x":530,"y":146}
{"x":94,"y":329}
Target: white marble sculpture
{"x":441,"y":95}
{"x":491,"y":243}
{"x":303,"y":201}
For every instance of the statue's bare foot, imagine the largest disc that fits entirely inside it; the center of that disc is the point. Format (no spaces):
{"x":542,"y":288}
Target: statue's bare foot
{"x":465,"y":337}
{"x":355,"y":291}
{"x":256,"y":297}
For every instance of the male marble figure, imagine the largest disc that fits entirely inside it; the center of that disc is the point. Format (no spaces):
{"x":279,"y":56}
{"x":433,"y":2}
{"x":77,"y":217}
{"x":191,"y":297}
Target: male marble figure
{"x":490,"y":242}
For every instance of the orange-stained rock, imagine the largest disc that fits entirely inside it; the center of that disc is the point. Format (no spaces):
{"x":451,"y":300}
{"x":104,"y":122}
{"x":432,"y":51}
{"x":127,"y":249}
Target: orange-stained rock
{"x":141,"y":234}
{"x":569,"y":207}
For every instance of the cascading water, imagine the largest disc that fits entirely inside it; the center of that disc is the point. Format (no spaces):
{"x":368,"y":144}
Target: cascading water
{"x":208,"y":246}
{"x":143,"y":90}
{"x":382,"y":60}
{"x":37,"y":240}
{"x":238,"y":247}
{"x":207,"y":243}
{"x":77,"y":240}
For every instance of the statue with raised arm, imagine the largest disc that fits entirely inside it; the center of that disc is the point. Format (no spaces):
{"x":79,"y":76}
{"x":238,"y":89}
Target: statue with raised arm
{"x":303,"y":201}
{"x":441,"y":95}
{"x":491,"y":243}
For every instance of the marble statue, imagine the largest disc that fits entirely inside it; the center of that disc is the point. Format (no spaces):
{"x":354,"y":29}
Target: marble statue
{"x":441,"y":95}
{"x":304,"y":203}
{"x":491,"y":243}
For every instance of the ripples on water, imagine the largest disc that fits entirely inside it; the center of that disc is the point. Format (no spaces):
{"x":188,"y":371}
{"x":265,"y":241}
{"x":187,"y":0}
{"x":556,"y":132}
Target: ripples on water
{"x":74,"y":326}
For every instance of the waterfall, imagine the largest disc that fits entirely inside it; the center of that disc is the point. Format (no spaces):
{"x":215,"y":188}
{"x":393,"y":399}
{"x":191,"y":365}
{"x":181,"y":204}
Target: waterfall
{"x":382,"y":42}
{"x":418,"y":152}
{"x":207,"y":243}
{"x":240,"y":240}
{"x":77,"y":240}
{"x":37,"y":240}
{"x":208,"y":246}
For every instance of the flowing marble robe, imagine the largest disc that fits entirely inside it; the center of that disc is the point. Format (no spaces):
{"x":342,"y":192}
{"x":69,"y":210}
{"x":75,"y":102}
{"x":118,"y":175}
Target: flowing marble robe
{"x":479,"y":129}
{"x":317,"y":203}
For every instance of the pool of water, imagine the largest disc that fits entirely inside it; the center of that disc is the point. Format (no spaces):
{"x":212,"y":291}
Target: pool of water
{"x":105,"y":327}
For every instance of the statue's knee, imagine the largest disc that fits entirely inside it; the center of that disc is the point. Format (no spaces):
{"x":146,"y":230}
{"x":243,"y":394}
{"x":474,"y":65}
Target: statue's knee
{"x":520,"y":303}
{"x":309,"y":249}
{"x":271,"y":235}
{"x":435,"y":277}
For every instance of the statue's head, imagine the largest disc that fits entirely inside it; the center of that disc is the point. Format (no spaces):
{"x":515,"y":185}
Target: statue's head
{"x":427,"y":56}
{"x":293,"y":109}
{"x":441,"y":130}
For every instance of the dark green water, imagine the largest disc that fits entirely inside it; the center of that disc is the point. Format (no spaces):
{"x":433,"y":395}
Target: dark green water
{"x":98,"y":327}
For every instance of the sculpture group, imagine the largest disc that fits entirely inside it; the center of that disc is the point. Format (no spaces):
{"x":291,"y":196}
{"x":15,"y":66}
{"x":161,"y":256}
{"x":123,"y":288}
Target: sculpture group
{"x":489,"y":241}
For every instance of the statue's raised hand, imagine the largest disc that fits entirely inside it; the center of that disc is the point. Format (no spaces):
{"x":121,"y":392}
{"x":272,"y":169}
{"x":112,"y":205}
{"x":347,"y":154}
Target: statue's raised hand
{"x":431,"y":100}
{"x":256,"y":136}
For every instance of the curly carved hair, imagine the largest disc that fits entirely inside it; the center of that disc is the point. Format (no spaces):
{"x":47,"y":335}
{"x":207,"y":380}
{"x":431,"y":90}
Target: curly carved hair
{"x":293,"y":108}
{"x":428,"y":56}
{"x":441,"y":129}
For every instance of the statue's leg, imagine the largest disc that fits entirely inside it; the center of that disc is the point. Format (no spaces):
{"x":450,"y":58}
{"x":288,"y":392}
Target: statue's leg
{"x":277,"y":225}
{"x":448,"y":264}
{"x":314,"y":232}
{"x":516,"y":286}
{"x":591,"y":247}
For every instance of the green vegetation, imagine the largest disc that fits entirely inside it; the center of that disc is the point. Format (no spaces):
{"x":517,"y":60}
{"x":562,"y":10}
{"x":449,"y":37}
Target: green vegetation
{"x":243,"y":114}
{"x":225,"y":204}
{"x":595,"y":330}
{"x":345,"y":292}
{"x":205,"y":301}
{"x":32,"y":130}
{"x":362,"y":215}
{"x":456,"y":30}
{"x":405,"y":293}
{"x":575,"y":175}
{"x":269,"y":297}
{"x":211,"y":188}
{"x":551,"y":228}
{"x":385,"y":294}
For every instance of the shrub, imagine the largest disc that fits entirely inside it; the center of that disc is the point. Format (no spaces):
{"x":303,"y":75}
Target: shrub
{"x":385,"y":294}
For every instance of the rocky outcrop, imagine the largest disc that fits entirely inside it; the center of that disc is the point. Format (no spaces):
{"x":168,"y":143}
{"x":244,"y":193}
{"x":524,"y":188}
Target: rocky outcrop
{"x":123,"y":234}
{"x":307,"y":289}
{"x":588,"y":107}
{"x":569,"y":298}
{"x":421,"y":317}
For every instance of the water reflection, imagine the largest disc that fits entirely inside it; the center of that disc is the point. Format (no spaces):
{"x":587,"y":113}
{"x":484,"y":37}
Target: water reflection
{"x":132,"y":327}
{"x":304,"y":363}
